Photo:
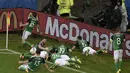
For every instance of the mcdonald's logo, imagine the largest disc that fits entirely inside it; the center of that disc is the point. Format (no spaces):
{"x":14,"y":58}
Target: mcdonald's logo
{"x":3,"y":17}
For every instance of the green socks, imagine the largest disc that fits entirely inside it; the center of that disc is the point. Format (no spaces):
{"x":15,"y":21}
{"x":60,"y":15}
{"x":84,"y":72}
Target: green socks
{"x":120,"y":64}
{"x":117,"y":66}
{"x":27,"y":43}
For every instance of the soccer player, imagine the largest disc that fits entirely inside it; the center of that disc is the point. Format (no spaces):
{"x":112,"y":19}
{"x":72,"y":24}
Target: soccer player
{"x":61,"y":60}
{"x":31,"y":22}
{"x":33,"y":63}
{"x":85,"y":47}
{"x":41,"y":46}
{"x":118,"y":38}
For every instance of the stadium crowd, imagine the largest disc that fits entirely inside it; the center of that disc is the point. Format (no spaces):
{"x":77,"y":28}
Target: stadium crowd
{"x":111,"y":14}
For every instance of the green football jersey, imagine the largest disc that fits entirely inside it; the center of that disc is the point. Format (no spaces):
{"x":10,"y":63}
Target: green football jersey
{"x":35,"y":62}
{"x":118,"y":41}
{"x":81,"y":44}
{"x":55,"y":56}
{"x":32,"y":22}
{"x":62,"y":50}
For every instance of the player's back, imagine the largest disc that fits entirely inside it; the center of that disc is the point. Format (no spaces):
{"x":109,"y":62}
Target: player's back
{"x":55,"y":56}
{"x":35,"y":61}
{"x":118,"y":39}
{"x":32,"y":22}
{"x":82,"y":44}
{"x":62,"y":50}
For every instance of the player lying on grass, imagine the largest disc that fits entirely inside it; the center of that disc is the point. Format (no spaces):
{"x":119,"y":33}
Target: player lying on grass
{"x":59,"y":58}
{"x":33,"y":63}
{"x":64,"y":52}
{"x":30,"y":24}
{"x":41,"y":46}
{"x":85,"y":47}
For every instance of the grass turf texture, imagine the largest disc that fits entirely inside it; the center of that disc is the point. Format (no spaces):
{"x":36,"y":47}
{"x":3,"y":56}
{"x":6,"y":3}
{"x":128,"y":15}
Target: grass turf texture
{"x":92,"y":64}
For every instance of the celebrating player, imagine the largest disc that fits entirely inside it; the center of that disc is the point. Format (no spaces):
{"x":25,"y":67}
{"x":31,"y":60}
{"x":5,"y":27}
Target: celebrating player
{"x":40,"y":46}
{"x":118,"y":38}
{"x":33,"y":63}
{"x":59,"y":60}
{"x":31,"y":22}
{"x":85,"y":47}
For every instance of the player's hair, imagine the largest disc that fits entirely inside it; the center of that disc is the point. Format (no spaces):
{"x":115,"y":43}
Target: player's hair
{"x":79,"y":37}
{"x":38,"y":51}
{"x":34,"y":14}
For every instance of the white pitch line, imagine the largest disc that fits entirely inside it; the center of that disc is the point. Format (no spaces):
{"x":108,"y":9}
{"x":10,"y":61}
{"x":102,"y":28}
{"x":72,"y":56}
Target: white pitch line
{"x":15,"y":52}
{"x":69,"y":68}
{"x":7,"y":53}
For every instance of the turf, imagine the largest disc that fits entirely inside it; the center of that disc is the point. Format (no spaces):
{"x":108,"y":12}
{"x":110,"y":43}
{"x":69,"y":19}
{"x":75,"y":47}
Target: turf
{"x":91,"y":64}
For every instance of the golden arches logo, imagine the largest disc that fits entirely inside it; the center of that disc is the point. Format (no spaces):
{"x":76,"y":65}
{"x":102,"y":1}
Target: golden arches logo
{"x":12,"y":14}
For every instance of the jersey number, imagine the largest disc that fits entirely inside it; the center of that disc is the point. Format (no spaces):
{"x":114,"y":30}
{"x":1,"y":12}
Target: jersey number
{"x":84,"y":45}
{"x":37,"y":63}
{"x":118,"y":41}
{"x":31,"y":24}
{"x":62,"y":50}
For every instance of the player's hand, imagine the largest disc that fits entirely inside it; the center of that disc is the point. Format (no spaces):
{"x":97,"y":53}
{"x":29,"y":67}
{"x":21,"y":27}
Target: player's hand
{"x":20,"y":24}
{"x":51,"y":70}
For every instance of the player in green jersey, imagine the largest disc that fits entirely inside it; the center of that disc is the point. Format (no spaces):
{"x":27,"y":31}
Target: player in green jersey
{"x":33,"y":63}
{"x":31,"y":22}
{"x":41,"y":46}
{"x":64,"y":52}
{"x":62,"y":59}
{"x":117,"y":40}
{"x":85,"y":47}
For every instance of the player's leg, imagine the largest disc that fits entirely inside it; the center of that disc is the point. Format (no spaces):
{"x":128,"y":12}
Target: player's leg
{"x":26,"y":56}
{"x":120,"y":59}
{"x":65,"y":57}
{"x":116,"y":58}
{"x":33,"y":50}
{"x":24,"y":67}
{"x":86,"y":51}
{"x":100,"y":51}
{"x":24,"y":38}
{"x":58,"y":62}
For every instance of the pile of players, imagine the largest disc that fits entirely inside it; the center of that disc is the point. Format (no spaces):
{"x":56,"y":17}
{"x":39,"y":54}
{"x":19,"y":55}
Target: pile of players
{"x":60,"y":55}
{"x":40,"y":53}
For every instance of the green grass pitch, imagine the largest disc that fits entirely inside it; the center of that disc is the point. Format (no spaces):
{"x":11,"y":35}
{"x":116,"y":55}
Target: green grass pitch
{"x":103,"y":63}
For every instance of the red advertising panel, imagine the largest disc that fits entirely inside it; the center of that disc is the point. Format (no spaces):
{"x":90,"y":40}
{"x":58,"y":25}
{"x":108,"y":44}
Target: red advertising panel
{"x":16,"y":16}
{"x":66,"y":30}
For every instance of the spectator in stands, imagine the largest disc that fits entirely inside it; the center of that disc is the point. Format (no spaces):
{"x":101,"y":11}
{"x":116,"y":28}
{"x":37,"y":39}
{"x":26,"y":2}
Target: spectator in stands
{"x":65,"y":7}
{"x":124,"y":21}
{"x":113,"y":17}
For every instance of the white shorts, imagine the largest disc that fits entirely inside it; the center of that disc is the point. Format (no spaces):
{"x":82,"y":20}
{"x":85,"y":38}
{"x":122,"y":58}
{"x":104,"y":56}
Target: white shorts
{"x":90,"y":50}
{"x":33,"y":50}
{"x":61,"y":62}
{"x":25,"y":34}
{"x":65,"y":57}
{"x":24,"y":66}
{"x":43,"y":54}
{"x":118,"y":54}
